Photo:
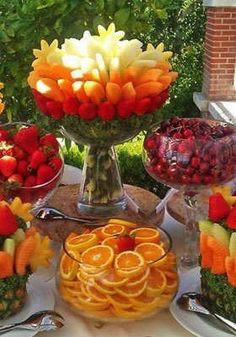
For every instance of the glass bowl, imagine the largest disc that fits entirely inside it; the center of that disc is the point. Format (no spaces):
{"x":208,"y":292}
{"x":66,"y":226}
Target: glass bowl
{"x":38,"y":194}
{"x":117,"y":272}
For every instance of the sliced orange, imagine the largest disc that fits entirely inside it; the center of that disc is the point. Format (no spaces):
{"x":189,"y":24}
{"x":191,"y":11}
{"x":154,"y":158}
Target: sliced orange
{"x":156,"y":283}
{"x":81,"y":242}
{"x":112,"y":242}
{"x":98,"y":232}
{"x":129,"y":264}
{"x":111,"y":279}
{"x":90,"y":304}
{"x":100,"y":313}
{"x":137,"y":280}
{"x":143,"y":301}
{"x":95,"y":294}
{"x":170,"y":262}
{"x":132,"y":291}
{"x":151,"y":252}
{"x":126,"y":223}
{"x":68,"y":267}
{"x":171,"y":284}
{"x":103,"y":289}
{"x":127,"y":314}
{"x":99,"y":256}
{"x":84,"y":279}
{"x":70,"y":284}
{"x":145,"y":234}
{"x":119,"y":301}
{"x":113,"y":229}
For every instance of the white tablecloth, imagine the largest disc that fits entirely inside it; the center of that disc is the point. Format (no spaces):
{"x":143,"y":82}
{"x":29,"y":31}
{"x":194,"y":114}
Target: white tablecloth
{"x":161,"y":325}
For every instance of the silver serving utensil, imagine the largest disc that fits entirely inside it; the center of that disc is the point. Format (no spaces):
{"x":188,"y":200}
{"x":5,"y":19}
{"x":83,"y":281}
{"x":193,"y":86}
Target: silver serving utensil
{"x":51,"y":213}
{"x":191,"y":301}
{"x":44,"y":320}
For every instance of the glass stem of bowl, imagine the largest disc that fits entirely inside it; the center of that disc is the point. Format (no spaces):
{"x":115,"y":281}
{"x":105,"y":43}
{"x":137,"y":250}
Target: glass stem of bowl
{"x":191,"y":233}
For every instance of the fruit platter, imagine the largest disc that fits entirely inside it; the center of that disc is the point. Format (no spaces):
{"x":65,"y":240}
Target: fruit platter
{"x":117,"y":272}
{"x":22,"y":251}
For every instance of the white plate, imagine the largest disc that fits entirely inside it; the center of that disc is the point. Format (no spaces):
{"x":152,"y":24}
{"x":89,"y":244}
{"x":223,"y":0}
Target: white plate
{"x":40,"y":297}
{"x":199,"y":326}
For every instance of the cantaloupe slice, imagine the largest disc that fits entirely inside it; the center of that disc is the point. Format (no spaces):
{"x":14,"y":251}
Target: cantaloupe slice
{"x":230,"y":265}
{"x":54,"y":71}
{"x":50,"y":89}
{"x":165,"y":80}
{"x":131,"y":74}
{"x":66,"y":87}
{"x":128,"y":91}
{"x":6,"y":264}
{"x":95,"y":91}
{"x":205,"y":251}
{"x":78,"y":89}
{"x":113,"y":92}
{"x":165,"y":66}
{"x":24,"y":251}
{"x":173,"y":75}
{"x":220,"y":252}
{"x":148,"y":89}
{"x":115,"y":77}
{"x":150,"y":75}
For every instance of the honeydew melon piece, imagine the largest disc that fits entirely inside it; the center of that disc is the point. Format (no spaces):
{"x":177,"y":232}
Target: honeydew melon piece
{"x":9,"y":246}
{"x":205,"y":226}
{"x":221,"y":234}
{"x":232,"y":245}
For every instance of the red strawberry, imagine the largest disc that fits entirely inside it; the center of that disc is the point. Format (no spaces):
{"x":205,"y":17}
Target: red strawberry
{"x":125,"y":242}
{"x":8,"y":165}
{"x":19,"y":153}
{"x":38,"y":157}
{"x":44,"y":174}
{"x":126,"y":108}
{"x":231,"y":219}
{"x":71,"y":106}
{"x":30,"y":181}
{"x":16,"y":179}
{"x":106,"y":111}
{"x":3,"y":135}
{"x":142,"y":106}
{"x":55,"y":109}
{"x":27,"y":138}
{"x":49,"y":143}
{"x":87,"y":111}
{"x":218,"y":207}
{"x":22,"y":167}
{"x":55,"y":163}
{"x":8,"y":224}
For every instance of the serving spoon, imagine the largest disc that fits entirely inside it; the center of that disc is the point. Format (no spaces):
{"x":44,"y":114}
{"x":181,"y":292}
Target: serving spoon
{"x":44,"y":320}
{"x":191,"y":301}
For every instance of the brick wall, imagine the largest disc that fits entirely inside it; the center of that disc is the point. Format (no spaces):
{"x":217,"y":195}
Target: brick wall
{"x":220,"y":54}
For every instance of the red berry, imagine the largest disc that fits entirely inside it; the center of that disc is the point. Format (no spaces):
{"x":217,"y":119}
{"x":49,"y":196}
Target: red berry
{"x":195,"y":162}
{"x":16,"y":179}
{"x":38,"y":157}
{"x":27,"y":138}
{"x":125,"y":242}
{"x":49,"y":143}
{"x":44,"y":174}
{"x":3,"y":135}
{"x":18,"y":152}
{"x":71,"y":106}
{"x":196,"y":178}
{"x":106,"y":111}
{"x":22,"y":167}
{"x":8,"y":165}
{"x":55,"y":109}
{"x":218,"y":207}
{"x":126,"y":108}
{"x":88,"y":111}
{"x":142,"y":106}
{"x":8,"y":223}
{"x":231,"y":219}
{"x":55,"y":163}
{"x":30,"y":181}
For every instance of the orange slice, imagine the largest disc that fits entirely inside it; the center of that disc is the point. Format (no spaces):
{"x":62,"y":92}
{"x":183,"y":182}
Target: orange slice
{"x":144,"y":302}
{"x":132,"y":291}
{"x":112,"y":242}
{"x":113,"y":229}
{"x":98,"y":232}
{"x":95,"y":294}
{"x":111,"y":279}
{"x":90,"y":304}
{"x":171,"y":284}
{"x":103,"y":289}
{"x":129,"y":264}
{"x":126,"y":223}
{"x":68,"y":267}
{"x":99,"y":256}
{"x":119,"y":301}
{"x":137,"y":280}
{"x":70,"y":284}
{"x":151,"y":252}
{"x":145,"y":234}
{"x":156,"y":283}
{"x":127,"y":314}
{"x":81,"y":242}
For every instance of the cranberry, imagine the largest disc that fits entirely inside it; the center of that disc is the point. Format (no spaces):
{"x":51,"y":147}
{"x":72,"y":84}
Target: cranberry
{"x":195,"y":162}
{"x":207,"y":180}
{"x":185,"y":179}
{"x":189,"y":171}
{"x":196,"y":178}
{"x":204,"y":167}
{"x":158,"y":168}
{"x":150,"y":143}
{"x":188,"y":133}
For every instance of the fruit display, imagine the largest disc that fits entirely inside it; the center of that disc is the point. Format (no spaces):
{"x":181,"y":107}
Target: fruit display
{"x":118,"y":272}
{"x":191,"y":152}
{"x":218,"y":254}
{"x":30,"y":162}
{"x":22,"y":251}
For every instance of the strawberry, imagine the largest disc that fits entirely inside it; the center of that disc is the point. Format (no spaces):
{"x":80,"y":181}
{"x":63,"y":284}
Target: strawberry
{"x":54,"y":109}
{"x":218,"y":207}
{"x":55,"y":163}
{"x":38,"y":157}
{"x":142,"y":106}
{"x":126,"y":108}
{"x":18,"y":152}
{"x":16,"y":179}
{"x":3,"y":135}
{"x":22,"y":167}
{"x":71,"y":106}
{"x":44,"y":174}
{"x":49,"y":144}
{"x":231,"y":219}
{"x":106,"y":111}
{"x":125,"y":242}
{"x":30,"y":181}
{"x":27,"y":138}
{"x":8,"y":165}
{"x":87,"y":111}
{"x":8,"y":224}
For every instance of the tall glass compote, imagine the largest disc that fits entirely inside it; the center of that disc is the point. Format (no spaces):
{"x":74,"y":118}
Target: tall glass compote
{"x":190,"y":155}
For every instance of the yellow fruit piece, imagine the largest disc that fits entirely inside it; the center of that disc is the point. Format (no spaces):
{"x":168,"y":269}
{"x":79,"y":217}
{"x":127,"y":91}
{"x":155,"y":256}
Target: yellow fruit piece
{"x":20,"y":209}
{"x":156,"y":283}
{"x":98,"y":256}
{"x":129,"y":264}
{"x":68,"y":267}
{"x":42,"y":252}
{"x":151,"y":252}
{"x":81,"y":242}
{"x":126,"y":223}
{"x":95,"y":91}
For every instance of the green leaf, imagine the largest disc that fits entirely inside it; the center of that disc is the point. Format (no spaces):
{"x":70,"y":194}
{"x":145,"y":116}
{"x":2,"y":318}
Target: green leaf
{"x":162,"y":14}
{"x":122,"y":16}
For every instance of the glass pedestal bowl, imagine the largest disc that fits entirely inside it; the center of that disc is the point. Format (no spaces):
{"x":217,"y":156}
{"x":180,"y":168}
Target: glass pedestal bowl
{"x":18,"y":183}
{"x":117,"y":272}
{"x":190,"y":154}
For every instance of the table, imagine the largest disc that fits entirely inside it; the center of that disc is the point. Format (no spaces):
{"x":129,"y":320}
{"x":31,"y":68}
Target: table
{"x":162,"y":324}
